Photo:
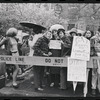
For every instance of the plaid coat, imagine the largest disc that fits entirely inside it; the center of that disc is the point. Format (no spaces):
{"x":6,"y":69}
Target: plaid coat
{"x":41,"y":46}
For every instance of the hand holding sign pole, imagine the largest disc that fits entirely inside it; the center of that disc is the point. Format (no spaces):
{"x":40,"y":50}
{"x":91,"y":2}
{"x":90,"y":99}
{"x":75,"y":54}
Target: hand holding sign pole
{"x":76,"y":68}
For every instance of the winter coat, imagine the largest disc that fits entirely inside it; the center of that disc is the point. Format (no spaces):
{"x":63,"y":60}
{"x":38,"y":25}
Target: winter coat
{"x":41,"y":46}
{"x":55,"y":53}
{"x":67,"y":46}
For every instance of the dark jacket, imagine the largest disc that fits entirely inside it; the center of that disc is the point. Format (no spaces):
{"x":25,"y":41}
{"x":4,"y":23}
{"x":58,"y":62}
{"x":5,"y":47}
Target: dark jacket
{"x":67,"y":46}
{"x":41,"y":46}
{"x":55,"y":52}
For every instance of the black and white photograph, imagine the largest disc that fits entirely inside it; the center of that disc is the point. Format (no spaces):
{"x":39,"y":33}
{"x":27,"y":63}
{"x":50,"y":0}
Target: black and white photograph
{"x":50,"y":49}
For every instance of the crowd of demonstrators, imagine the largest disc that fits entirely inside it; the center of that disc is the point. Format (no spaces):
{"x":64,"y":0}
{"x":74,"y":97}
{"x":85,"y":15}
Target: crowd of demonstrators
{"x":66,"y":46}
{"x":41,"y":48}
{"x":38,"y":45}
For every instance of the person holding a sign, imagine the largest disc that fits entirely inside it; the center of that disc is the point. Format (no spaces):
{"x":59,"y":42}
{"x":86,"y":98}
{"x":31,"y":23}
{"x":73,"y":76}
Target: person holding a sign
{"x":69,"y":40}
{"x":55,"y":48}
{"x":41,"y":48}
{"x":66,"y":45}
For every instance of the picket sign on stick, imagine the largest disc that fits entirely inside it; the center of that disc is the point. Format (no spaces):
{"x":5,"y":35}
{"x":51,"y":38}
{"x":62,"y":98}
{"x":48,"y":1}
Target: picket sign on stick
{"x":76,"y":71}
{"x":85,"y":84}
{"x":74,"y":85}
{"x":80,"y":48}
{"x":80,"y":54}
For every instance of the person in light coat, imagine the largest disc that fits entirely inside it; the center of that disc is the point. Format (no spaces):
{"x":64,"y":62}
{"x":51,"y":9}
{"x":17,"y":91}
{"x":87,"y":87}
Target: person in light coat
{"x":11,"y":46}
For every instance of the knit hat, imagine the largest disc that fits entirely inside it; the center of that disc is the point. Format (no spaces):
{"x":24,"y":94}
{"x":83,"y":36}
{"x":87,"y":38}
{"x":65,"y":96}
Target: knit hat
{"x":59,"y":30}
{"x":73,"y":30}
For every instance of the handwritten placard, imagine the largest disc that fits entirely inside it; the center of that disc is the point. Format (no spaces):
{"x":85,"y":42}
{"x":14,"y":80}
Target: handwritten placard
{"x":55,"y":44}
{"x":80,"y":48}
{"x":76,"y":70}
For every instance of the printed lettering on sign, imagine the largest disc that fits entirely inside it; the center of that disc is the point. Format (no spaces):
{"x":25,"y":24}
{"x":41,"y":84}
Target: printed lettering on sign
{"x":5,"y":59}
{"x":48,"y":60}
{"x":19,"y":59}
{"x":25,"y":60}
{"x":58,"y":60}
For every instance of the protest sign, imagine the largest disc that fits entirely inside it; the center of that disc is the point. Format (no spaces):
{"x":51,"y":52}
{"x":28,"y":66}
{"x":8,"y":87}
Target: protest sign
{"x":77,"y":70}
{"x":55,"y":44}
{"x":80,"y":48}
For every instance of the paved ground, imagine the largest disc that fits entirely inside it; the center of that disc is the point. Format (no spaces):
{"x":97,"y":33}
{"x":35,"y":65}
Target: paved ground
{"x":26,"y":88}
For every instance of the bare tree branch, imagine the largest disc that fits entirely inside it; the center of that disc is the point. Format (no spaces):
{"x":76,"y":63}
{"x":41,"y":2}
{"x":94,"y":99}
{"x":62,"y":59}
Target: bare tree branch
{"x":95,"y":12}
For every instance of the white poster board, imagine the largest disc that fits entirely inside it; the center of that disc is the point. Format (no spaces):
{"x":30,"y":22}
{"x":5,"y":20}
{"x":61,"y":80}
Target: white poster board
{"x":55,"y":44}
{"x":76,"y":70}
{"x":80,"y":48}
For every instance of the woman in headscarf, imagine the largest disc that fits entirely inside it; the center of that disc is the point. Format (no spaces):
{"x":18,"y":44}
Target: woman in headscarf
{"x":11,"y":46}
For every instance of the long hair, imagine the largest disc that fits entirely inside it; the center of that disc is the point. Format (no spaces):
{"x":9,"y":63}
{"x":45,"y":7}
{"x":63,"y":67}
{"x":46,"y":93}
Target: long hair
{"x":92,"y":33}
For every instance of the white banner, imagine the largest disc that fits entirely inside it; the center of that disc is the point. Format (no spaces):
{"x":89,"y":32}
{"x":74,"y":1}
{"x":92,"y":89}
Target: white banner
{"x":55,"y":44}
{"x":80,"y":48}
{"x":77,"y":70}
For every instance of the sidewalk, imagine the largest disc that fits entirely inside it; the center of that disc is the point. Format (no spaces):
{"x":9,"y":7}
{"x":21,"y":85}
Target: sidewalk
{"x":26,"y":88}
